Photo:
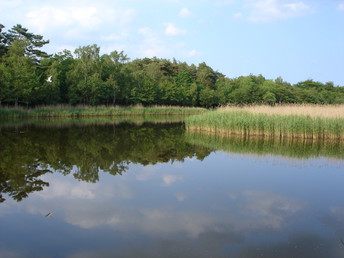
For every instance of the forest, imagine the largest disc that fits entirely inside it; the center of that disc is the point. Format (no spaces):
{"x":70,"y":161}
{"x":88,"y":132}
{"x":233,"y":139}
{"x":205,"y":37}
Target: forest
{"x":31,"y":77}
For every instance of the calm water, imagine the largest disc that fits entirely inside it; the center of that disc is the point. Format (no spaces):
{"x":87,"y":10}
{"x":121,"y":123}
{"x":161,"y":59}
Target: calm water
{"x":152,"y":190}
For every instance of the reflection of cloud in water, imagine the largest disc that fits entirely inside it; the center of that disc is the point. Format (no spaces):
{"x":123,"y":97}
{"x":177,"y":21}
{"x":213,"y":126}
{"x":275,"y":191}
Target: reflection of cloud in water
{"x":280,"y":160}
{"x":258,"y":211}
{"x":180,"y":196}
{"x":305,"y":245}
{"x":335,"y":220}
{"x":153,"y":222}
{"x":148,"y":172}
{"x":154,"y":172}
{"x":88,"y":206}
{"x":93,"y":205}
{"x":10,"y":254}
{"x":206,"y":246}
{"x":169,"y":179}
{"x":269,"y":209}
{"x":62,"y":187}
{"x":212,"y":244}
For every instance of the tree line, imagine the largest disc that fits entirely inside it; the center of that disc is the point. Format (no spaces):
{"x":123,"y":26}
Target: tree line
{"x":30,"y":76}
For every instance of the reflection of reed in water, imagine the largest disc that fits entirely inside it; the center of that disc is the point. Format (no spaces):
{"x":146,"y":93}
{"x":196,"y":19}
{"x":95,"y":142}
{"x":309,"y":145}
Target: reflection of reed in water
{"x":292,"y":148}
{"x":17,"y":124}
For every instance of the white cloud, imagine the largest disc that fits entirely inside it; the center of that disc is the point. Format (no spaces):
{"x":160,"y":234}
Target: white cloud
{"x":192,"y":53}
{"x":77,"y":23}
{"x":172,"y":30}
{"x":49,"y":16}
{"x":269,"y":10}
{"x":225,"y":2}
{"x":341,"y":7}
{"x":237,"y":15}
{"x":151,"y":45}
{"x":154,"y":43}
{"x":10,"y":3}
{"x":185,"y":12}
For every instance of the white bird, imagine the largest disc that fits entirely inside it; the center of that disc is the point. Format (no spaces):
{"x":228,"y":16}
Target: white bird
{"x":49,"y":78}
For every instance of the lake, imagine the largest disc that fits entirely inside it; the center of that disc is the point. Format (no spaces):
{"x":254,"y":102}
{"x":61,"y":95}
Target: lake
{"x":104,"y":188}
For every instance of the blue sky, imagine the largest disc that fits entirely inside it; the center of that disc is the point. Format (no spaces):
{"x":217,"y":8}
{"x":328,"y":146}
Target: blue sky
{"x":295,"y":39}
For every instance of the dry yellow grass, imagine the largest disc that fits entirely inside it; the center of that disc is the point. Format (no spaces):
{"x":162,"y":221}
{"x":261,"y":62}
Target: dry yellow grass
{"x":325,"y":111}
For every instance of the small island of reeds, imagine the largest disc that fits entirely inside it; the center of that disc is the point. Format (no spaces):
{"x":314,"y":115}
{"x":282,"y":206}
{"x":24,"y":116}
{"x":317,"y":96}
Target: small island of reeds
{"x":316,"y":122}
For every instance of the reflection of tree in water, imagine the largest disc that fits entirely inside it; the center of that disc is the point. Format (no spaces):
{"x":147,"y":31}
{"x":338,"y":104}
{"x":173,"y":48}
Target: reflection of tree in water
{"x":23,"y":181}
{"x":30,"y":152}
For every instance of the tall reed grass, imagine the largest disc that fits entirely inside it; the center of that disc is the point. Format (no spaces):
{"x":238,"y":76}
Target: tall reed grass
{"x":238,"y":121}
{"x":312,"y":110}
{"x":88,"y":111}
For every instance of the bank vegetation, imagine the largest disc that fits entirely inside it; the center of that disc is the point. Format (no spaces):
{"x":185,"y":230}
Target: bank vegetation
{"x":311,"y":122}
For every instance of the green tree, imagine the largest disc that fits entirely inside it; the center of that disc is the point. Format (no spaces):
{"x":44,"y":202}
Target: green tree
{"x":85,"y":75}
{"x":34,"y":42}
{"x":50,"y":88}
{"x":4,"y":86}
{"x":21,"y":74}
{"x":65,"y":63}
{"x":269,"y":98}
{"x":112,"y":72}
{"x":3,"y":41}
{"x":206,"y":75}
{"x":244,"y":91}
{"x":208,"y":97}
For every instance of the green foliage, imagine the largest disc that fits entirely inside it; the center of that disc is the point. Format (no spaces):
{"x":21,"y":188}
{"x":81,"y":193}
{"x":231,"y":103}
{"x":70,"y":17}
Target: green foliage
{"x":111,"y":79}
{"x":20,"y":77}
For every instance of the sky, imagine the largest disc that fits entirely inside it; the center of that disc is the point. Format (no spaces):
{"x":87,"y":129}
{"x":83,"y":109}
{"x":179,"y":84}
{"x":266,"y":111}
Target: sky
{"x":294,"y":39}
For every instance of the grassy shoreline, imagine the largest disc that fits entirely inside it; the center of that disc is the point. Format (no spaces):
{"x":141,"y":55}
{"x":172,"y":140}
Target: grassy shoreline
{"x":88,"y":111}
{"x":242,"y":122}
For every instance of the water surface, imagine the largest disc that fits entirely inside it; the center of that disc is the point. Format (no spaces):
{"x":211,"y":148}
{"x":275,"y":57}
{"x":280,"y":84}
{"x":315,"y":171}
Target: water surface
{"x":152,"y":190}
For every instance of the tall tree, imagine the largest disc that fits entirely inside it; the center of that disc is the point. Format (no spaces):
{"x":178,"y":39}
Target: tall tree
{"x":85,"y":75}
{"x":34,"y":42}
{"x":112,"y":74}
{"x":206,"y":75}
{"x":3,"y":41}
{"x":21,"y":74}
{"x":4,"y":86}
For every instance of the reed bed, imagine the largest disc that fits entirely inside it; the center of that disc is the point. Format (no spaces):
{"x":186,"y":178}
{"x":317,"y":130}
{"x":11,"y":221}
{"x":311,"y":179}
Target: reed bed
{"x":88,"y":111}
{"x":244,"y":123}
{"x":312,"y":110}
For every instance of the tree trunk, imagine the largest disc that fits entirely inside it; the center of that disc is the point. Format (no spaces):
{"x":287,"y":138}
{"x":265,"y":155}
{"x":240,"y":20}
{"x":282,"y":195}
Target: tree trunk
{"x":16,"y":102}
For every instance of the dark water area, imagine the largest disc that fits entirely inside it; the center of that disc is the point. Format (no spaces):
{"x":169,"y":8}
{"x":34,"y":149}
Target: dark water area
{"x":143,"y":189}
